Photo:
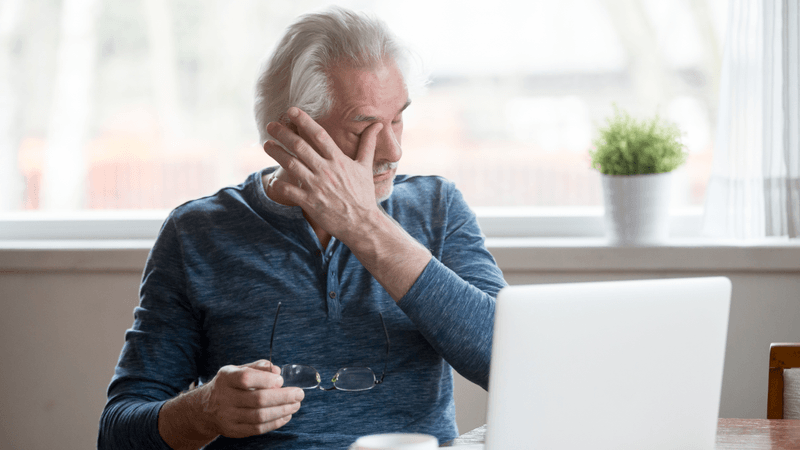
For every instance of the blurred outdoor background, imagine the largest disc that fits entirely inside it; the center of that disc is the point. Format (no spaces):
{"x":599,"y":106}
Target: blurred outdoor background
{"x":144,"y":104}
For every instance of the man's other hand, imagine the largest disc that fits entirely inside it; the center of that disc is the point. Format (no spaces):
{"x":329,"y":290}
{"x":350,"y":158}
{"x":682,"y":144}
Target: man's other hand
{"x":336,"y":191}
{"x":248,"y":400}
{"x":240,"y":401}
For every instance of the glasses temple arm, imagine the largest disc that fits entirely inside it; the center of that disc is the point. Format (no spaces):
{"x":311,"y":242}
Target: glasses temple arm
{"x":388,"y":345}
{"x":272,"y":338}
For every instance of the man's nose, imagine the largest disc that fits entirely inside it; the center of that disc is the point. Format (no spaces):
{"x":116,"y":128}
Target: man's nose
{"x":387,"y":146}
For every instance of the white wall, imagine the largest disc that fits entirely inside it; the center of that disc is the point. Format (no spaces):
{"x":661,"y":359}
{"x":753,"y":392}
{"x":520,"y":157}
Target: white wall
{"x":60,"y":336}
{"x":64,"y":314}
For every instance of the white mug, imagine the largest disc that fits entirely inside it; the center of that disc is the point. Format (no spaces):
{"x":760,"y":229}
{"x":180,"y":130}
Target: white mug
{"x":396,"y":441}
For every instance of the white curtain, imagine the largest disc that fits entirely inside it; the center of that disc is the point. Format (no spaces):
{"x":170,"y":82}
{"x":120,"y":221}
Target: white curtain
{"x":754,"y":190}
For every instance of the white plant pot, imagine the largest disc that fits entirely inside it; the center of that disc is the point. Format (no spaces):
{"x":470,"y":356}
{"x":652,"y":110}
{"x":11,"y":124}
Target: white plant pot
{"x":636,"y":208}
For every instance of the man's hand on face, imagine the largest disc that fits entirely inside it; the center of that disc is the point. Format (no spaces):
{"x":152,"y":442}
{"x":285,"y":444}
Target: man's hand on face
{"x":248,"y":400}
{"x":337,"y":192}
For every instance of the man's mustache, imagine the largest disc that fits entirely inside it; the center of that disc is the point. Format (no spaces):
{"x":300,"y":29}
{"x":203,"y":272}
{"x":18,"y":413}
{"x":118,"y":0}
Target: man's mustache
{"x":377,"y":170}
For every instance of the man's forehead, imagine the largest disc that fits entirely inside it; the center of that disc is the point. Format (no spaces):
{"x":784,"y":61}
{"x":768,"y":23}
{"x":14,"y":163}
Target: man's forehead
{"x":367,"y":94}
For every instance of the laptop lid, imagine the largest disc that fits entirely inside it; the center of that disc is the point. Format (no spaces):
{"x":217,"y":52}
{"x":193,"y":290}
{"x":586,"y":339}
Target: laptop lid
{"x":608,"y":365}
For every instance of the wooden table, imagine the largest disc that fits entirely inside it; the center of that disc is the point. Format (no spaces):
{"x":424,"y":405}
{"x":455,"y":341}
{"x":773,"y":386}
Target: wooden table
{"x":732,"y":434}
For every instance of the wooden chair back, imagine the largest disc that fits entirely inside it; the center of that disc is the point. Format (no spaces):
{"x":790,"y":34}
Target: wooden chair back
{"x":781,"y":356}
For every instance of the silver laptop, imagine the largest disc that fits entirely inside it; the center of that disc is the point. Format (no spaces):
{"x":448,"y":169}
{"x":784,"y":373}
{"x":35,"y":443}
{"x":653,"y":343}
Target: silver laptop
{"x":611,"y":365}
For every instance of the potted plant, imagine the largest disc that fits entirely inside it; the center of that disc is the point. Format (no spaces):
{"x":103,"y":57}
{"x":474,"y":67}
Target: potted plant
{"x":636,"y":159}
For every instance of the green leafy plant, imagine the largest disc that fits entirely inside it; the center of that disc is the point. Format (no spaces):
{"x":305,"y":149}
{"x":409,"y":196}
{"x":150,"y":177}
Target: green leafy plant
{"x":627,"y":146}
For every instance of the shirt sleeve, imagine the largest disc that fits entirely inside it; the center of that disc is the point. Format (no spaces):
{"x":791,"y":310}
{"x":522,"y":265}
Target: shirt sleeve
{"x":159,"y":357}
{"x":453,"y":300}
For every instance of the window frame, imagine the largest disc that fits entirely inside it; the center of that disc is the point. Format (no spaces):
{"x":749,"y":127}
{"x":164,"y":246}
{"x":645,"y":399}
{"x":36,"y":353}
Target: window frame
{"x":495,"y":222}
{"x":523,"y":244}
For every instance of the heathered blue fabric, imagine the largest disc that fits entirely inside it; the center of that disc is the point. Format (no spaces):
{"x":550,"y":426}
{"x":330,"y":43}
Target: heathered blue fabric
{"x":222,"y":263}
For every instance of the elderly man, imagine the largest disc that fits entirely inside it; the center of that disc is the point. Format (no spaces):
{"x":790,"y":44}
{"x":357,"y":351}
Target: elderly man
{"x":365,"y":304}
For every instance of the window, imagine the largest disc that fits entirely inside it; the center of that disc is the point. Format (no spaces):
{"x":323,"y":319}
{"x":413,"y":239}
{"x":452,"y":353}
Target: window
{"x":137,"y":105}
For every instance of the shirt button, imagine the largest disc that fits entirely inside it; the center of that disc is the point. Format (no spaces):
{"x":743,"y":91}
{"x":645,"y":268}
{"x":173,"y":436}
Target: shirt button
{"x":332,"y":294}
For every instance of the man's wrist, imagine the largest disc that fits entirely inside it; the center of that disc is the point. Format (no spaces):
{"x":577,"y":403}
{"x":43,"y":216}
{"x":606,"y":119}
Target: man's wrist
{"x":183,"y":422}
{"x":370,"y":231}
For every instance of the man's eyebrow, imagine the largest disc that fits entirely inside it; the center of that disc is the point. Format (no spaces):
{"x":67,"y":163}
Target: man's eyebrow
{"x":363,"y":118}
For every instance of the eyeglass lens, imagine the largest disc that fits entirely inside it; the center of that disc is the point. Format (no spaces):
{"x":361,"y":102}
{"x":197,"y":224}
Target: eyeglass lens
{"x":346,"y":379}
{"x":296,"y":375}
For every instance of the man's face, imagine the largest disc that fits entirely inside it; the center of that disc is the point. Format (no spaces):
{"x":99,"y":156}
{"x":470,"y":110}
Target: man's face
{"x":362,"y":97}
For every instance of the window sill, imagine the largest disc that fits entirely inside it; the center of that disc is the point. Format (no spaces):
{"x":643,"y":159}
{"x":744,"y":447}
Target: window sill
{"x":108,"y":256}
{"x":584,"y":254}
{"x":677,"y":254}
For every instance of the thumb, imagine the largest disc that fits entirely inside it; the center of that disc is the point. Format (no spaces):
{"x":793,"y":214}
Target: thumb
{"x":366,"y":147}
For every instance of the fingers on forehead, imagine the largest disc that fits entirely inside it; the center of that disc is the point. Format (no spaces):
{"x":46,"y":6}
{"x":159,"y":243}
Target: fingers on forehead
{"x":300,"y":119}
{"x":285,"y":135}
{"x":312,"y":129}
{"x":296,"y":145}
{"x":297,"y":115}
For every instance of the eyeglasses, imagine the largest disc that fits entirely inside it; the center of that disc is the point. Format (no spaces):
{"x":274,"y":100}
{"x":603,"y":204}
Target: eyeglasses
{"x":345,"y":379}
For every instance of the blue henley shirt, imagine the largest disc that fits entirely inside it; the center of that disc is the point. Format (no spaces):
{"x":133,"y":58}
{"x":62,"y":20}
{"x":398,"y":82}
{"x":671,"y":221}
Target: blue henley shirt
{"x":222,"y":263}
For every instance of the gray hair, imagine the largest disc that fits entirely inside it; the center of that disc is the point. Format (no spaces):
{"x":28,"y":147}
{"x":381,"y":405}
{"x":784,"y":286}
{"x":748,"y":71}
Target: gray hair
{"x":296,"y":72}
